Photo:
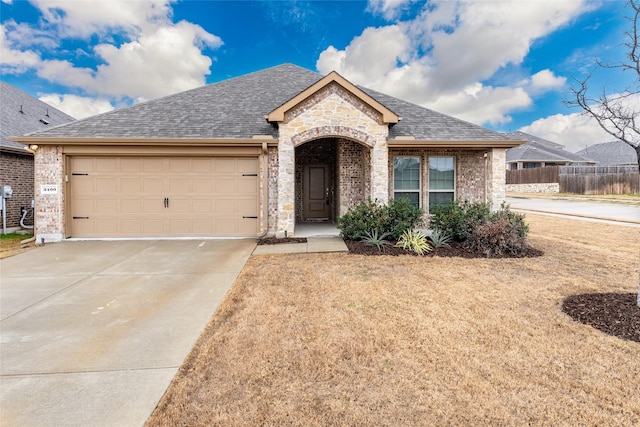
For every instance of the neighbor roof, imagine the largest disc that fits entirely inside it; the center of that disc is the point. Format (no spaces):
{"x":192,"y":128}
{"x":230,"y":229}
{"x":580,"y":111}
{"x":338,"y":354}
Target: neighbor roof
{"x":611,"y":153}
{"x":21,"y":113}
{"x":540,"y":150}
{"x":236,"y":108}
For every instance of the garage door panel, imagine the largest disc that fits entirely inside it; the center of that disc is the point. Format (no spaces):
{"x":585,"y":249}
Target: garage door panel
{"x":108,"y":164}
{"x":247,"y":166}
{"x":125,"y":197}
{"x":106,"y":206}
{"x":152,"y":164}
{"x":153,"y":185}
{"x":131,"y":206}
{"x":130,"y":185}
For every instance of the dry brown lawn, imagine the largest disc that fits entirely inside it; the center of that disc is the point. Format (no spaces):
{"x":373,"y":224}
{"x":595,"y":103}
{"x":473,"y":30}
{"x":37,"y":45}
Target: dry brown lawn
{"x":348,"y":340}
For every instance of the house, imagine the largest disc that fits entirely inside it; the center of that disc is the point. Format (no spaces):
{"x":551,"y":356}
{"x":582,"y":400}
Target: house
{"x":21,"y":113}
{"x":614,"y":153}
{"x":537,"y":152}
{"x":255,"y":155}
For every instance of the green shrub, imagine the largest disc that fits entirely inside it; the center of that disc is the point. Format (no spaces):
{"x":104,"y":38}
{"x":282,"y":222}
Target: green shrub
{"x":439,"y":238}
{"x":415,"y":242}
{"x":368,"y":216}
{"x":372,"y":238}
{"x":459,"y":219}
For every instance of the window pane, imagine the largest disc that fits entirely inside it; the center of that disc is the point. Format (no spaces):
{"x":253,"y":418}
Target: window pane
{"x":406,"y":173}
{"x":440,"y":199}
{"x":414,"y":196}
{"x":441,"y":173}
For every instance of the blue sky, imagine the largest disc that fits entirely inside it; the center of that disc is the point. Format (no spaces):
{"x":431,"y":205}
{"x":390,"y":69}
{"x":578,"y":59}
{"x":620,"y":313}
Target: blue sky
{"x":506,"y":65}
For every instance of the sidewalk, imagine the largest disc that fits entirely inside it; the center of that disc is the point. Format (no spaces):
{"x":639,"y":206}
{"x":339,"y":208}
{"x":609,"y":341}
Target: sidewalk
{"x":313,"y":245}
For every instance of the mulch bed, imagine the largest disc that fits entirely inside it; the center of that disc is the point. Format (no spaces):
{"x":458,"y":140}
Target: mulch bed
{"x":276,"y":241}
{"x":455,"y":249}
{"x":612,"y":313}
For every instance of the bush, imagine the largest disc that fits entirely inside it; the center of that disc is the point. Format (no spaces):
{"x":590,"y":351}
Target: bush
{"x":415,"y":242}
{"x":496,"y":238}
{"x":373,"y":239}
{"x":368,"y":216}
{"x":459,"y":219}
{"x":439,"y":238}
{"x":503,"y":233}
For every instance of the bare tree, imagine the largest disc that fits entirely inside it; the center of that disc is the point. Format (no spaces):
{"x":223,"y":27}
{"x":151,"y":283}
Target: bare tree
{"x":617,"y":114}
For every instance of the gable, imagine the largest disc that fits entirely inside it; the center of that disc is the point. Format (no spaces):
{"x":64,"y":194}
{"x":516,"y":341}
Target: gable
{"x":333,"y":83}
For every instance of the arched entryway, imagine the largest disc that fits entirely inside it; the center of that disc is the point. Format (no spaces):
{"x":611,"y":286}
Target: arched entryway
{"x":331,"y":176}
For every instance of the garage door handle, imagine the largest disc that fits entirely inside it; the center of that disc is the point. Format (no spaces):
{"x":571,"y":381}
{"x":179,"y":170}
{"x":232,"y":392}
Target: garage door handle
{"x":249,"y":174}
{"x":80,"y":217}
{"x":166,"y":202}
{"x":250,"y":217}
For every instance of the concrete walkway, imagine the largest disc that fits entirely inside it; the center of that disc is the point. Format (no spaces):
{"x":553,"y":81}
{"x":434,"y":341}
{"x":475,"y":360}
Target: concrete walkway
{"x":92,"y":333}
{"x":313,"y":245}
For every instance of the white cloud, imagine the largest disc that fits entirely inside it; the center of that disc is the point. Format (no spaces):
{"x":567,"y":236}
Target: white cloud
{"x":578,"y":130}
{"x":452,"y":47}
{"x":153,"y":57}
{"x":575,"y":131}
{"x":78,"y":107}
{"x":545,"y":80}
{"x":390,"y":9}
{"x":15,"y":61}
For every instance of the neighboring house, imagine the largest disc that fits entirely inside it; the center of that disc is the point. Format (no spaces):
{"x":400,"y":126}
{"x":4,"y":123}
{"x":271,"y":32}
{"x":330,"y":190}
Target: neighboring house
{"x":538,"y":152}
{"x":254,"y":155}
{"x":615,"y":153}
{"x":21,"y":113}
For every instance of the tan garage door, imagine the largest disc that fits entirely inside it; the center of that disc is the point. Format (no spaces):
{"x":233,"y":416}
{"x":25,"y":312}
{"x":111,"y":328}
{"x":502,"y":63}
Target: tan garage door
{"x":163,"y":197}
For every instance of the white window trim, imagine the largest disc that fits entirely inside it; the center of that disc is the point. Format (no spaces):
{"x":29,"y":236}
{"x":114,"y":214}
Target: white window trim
{"x":419,"y":190}
{"x":455,"y":178}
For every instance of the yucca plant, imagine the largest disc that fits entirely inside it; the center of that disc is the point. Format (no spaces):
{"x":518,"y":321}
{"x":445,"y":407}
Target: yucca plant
{"x":440,"y":238}
{"x":415,"y":242}
{"x":374,"y":238}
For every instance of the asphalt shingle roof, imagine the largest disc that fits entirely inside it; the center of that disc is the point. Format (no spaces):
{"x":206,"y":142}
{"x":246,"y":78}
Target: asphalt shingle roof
{"x":236,"y":108}
{"x":540,"y":150}
{"x":21,"y":113}
{"x":611,"y":154}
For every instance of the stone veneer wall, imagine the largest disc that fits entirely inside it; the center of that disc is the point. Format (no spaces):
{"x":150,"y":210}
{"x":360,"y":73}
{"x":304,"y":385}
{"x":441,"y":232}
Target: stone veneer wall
{"x":273,"y":189}
{"x":16,"y":170}
{"x":496,"y":177}
{"x":49,"y":223}
{"x":354,"y":175}
{"x":553,"y":187}
{"x":332,"y":112}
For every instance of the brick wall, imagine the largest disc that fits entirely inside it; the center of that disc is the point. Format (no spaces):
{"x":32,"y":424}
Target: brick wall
{"x":49,"y":207}
{"x":17,"y":171}
{"x":354,"y":174}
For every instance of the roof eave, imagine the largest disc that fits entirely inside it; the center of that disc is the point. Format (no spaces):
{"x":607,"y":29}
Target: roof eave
{"x":476,"y":144}
{"x":256,"y":140}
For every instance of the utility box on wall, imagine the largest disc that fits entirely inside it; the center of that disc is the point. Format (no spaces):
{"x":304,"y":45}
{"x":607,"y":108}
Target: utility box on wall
{"x":6,"y":192}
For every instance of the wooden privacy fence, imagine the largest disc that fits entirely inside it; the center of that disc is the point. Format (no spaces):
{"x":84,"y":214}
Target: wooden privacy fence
{"x":596,"y":180}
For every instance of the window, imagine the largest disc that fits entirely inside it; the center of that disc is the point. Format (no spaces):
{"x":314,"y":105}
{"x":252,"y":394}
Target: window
{"x":406,"y":179}
{"x":441,"y":180}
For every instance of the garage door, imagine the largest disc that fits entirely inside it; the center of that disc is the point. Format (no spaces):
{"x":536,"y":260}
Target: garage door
{"x":163,"y":197}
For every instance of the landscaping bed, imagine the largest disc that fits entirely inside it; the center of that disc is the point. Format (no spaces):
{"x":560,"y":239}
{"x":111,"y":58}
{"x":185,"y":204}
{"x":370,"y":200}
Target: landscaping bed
{"x":455,"y":249}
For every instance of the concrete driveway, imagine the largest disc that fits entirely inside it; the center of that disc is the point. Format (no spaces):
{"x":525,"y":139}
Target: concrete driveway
{"x":92,"y":332}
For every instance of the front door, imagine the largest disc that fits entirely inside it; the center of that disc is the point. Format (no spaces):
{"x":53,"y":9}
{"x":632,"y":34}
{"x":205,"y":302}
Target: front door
{"x":317,"y":193}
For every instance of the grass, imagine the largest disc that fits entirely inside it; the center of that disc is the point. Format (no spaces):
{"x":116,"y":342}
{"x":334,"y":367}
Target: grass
{"x":10,"y":244}
{"x":336,"y":339}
